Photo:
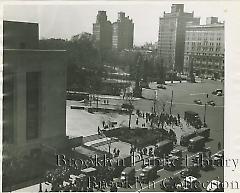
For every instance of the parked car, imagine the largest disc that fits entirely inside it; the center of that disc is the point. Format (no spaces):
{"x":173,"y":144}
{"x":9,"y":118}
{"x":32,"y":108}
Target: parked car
{"x":190,"y":171}
{"x":176,"y":152}
{"x":161,"y":86}
{"x":198,"y":157}
{"x":219,"y":94}
{"x":212,"y":103}
{"x":190,"y":184}
{"x":218,"y":158}
{"x":215,"y":186}
{"x":169,"y":184}
{"x":215,"y":92}
{"x":198,"y":101}
{"x":173,"y":163}
{"x":127,"y":106}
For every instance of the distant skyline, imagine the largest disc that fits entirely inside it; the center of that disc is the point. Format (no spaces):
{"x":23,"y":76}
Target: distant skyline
{"x":64,"y":21}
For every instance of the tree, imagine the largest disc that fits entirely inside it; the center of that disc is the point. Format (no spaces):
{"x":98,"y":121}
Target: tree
{"x":137,"y":92}
{"x":161,"y":103}
{"x":84,"y":67}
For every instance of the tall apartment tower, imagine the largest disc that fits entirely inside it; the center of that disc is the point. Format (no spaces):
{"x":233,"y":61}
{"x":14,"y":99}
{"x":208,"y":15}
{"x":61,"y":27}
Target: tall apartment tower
{"x":123,"y":32}
{"x":171,"y":37}
{"x":102,"y":31}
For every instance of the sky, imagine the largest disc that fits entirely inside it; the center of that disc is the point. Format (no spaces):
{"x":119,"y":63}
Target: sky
{"x":65,"y":20}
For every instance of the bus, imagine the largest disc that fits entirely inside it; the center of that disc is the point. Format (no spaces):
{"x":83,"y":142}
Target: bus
{"x":163,"y":148}
{"x":184,"y":140}
{"x":196,"y":144}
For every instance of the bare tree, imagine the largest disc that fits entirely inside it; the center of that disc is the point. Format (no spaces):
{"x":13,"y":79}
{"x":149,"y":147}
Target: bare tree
{"x":162,"y":103}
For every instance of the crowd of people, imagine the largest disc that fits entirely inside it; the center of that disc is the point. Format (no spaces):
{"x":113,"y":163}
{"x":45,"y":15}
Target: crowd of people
{"x":162,"y":119}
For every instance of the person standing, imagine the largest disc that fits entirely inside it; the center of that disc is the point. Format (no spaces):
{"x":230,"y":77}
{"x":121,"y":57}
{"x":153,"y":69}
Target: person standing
{"x":99,"y":131}
{"x":118,"y":152}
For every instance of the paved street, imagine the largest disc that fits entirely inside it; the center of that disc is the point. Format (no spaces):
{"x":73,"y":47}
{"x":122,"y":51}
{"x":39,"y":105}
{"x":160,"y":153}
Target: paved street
{"x":183,"y":100}
{"x":80,"y":122}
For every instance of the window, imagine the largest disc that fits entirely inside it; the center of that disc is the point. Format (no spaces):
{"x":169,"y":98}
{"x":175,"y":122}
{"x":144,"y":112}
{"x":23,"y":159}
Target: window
{"x":32,"y":104}
{"x":8,"y":100}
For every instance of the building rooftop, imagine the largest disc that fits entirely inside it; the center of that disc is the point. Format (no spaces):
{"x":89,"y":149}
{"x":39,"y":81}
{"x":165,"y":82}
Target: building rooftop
{"x":206,"y":26}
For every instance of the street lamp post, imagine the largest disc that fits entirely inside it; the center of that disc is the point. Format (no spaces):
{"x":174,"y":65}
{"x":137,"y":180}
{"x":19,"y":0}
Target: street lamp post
{"x":205,"y":111}
{"x":154,"y":102}
{"x":171,"y":103}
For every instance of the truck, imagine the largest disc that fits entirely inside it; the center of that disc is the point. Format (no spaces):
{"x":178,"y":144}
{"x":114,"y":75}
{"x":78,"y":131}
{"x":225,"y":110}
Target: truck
{"x":193,"y":119}
{"x":148,"y":173}
{"x":204,"y":132}
{"x":163,"y":148}
{"x":196,"y":144}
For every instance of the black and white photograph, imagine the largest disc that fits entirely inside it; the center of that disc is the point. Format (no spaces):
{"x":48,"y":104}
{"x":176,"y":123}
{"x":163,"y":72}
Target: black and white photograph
{"x":114,"y":97}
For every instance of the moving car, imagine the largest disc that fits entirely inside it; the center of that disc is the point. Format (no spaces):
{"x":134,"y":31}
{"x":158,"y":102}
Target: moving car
{"x":212,"y":103}
{"x":198,"y":101}
{"x":215,"y":186}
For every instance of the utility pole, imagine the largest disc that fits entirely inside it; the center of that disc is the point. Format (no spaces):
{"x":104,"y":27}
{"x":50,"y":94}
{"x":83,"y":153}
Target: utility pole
{"x":130,"y":115}
{"x":154,"y":102}
{"x":97,"y":101}
{"x":205,"y":111}
{"x":171,"y":103}
{"x":109,"y":147}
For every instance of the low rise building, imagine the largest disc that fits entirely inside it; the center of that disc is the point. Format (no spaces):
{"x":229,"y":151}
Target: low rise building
{"x":204,"y":48}
{"x":34,"y":87}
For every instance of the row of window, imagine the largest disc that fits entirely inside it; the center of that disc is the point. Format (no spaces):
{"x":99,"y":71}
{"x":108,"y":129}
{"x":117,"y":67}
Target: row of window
{"x":206,"y":54}
{"x":204,"y":49}
{"x":204,"y":43}
{"x":203,"y":38}
{"x":32,"y":107}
